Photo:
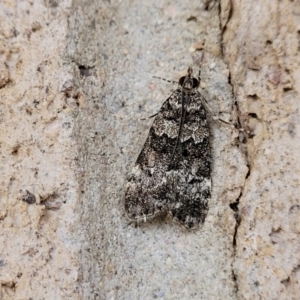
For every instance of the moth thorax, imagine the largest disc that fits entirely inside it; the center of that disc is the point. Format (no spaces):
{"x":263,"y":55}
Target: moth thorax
{"x":188,"y":83}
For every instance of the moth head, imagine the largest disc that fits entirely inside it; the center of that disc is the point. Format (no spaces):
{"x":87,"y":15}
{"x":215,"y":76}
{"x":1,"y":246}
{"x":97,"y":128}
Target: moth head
{"x":188,"y":82}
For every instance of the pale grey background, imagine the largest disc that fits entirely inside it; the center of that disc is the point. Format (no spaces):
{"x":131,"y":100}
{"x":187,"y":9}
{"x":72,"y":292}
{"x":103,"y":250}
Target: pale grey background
{"x":137,"y":40}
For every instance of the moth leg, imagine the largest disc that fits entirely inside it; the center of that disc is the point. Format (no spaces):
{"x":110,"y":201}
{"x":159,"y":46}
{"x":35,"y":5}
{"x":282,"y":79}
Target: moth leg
{"x":136,"y":222}
{"x":213,"y":115}
{"x":152,"y":116}
{"x":226,"y":123}
{"x":236,"y":126}
{"x":133,"y":223}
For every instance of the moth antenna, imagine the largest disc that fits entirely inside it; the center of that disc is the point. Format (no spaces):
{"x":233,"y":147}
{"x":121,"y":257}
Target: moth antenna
{"x":170,"y":81}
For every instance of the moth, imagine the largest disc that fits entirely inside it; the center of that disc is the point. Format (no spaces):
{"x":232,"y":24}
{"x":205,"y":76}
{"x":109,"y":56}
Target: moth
{"x":172,"y":173}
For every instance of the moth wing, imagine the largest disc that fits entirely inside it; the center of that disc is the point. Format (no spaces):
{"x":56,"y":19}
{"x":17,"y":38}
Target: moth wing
{"x":191,"y":175}
{"x":147,"y":191}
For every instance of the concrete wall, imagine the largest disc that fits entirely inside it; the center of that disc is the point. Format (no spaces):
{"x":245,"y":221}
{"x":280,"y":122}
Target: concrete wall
{"x":76,"y":91}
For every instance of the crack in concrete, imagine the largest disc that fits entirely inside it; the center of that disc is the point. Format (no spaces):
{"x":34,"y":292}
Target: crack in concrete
{"x":242,"y":140}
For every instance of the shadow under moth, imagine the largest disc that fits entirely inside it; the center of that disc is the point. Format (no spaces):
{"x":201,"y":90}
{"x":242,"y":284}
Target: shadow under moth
{"x":172,"y":173}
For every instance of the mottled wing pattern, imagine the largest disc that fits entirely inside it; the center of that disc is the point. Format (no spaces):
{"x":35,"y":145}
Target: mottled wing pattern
{"x":173,"y":177}
{"x":190,"y":176}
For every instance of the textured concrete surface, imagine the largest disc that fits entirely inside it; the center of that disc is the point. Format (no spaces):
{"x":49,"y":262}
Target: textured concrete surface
{"x":160,"y":259}
{"x":38,"y":187}
{"x":76,"y":91}
{"x":261,"y":43}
